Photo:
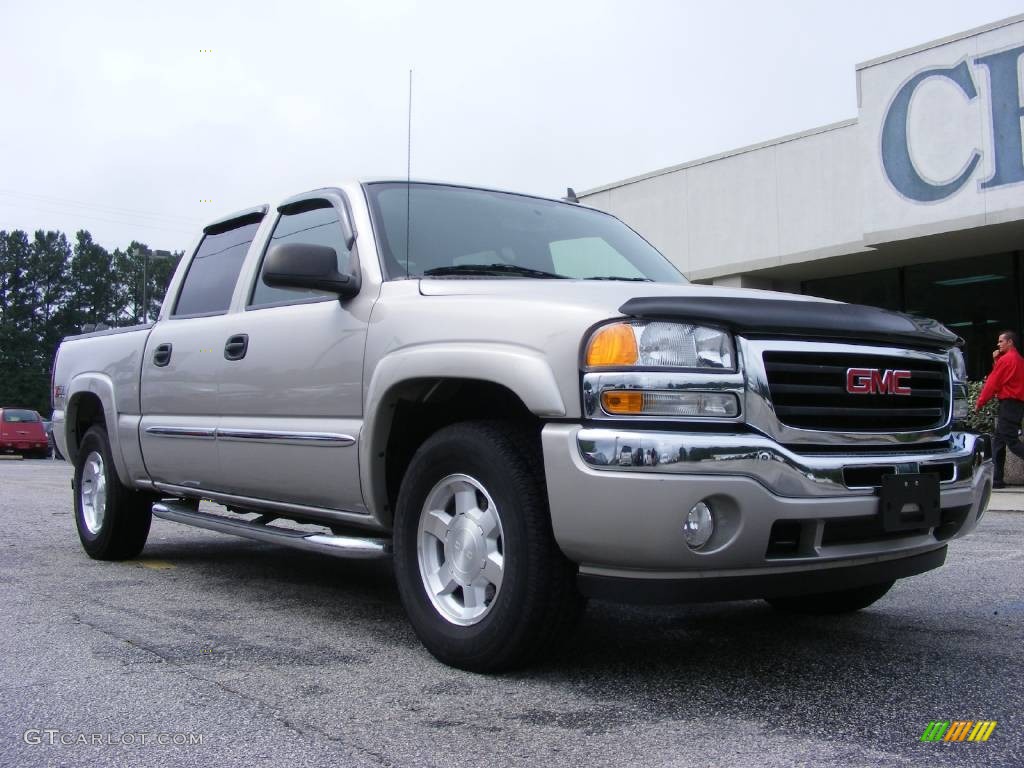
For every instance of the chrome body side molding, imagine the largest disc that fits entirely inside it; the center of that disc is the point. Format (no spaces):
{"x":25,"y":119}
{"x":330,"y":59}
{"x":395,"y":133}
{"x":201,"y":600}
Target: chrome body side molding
{"x":196,"y":433}
{"x":327,"y":439}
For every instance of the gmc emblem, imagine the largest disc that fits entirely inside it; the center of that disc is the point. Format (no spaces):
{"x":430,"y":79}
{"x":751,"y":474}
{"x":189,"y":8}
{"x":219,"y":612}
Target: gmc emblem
{"x":871,"y":381}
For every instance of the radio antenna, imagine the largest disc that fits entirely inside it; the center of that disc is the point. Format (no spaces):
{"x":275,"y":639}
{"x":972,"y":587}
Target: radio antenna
{"x":408,"y":180}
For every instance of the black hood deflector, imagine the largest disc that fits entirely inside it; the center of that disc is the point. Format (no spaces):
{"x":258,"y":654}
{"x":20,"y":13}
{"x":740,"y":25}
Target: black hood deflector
{"x":799,"y":319}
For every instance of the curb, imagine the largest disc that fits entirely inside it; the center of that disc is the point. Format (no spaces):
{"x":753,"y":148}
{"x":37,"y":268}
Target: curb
{"x":1012,"y":499}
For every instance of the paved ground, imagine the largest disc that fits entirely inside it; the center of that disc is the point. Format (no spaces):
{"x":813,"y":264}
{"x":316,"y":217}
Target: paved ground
{"x":274,"y":657}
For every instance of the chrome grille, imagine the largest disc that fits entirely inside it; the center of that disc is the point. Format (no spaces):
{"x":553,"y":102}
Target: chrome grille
{"x":808,"y":391}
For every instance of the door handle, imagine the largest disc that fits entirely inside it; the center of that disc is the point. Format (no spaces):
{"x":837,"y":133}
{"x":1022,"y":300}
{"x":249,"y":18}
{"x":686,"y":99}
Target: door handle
{"x":236,"y":347}
{"x":162,"y":355}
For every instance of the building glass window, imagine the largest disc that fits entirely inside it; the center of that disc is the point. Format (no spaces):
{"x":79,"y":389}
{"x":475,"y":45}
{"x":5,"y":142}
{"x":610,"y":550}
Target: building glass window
{"x":875,"y":289}
{"x":976,"y":298}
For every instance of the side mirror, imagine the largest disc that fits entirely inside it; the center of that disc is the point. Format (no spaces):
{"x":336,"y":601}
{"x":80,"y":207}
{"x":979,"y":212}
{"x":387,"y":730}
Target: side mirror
{"x":304,"y":265}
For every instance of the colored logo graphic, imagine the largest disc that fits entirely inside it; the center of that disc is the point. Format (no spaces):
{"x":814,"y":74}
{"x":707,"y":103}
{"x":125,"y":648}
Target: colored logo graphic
{"x":958,"y":730}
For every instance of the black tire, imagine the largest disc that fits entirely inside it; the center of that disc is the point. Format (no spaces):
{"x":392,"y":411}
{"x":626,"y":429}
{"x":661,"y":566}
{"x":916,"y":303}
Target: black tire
{"x":536,"y":603}
{"x":119,"y":532}
{"x":843,"y":601}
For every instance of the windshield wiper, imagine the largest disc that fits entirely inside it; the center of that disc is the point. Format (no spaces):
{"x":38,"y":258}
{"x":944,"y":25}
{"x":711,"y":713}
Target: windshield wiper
{"x":629,"y":279}
{"x":489,"y":270}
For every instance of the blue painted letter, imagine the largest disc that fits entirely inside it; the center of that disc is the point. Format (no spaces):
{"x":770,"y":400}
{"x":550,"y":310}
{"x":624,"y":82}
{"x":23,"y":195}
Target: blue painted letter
{"x":896,"y":160}
{"x":1006,"y":113}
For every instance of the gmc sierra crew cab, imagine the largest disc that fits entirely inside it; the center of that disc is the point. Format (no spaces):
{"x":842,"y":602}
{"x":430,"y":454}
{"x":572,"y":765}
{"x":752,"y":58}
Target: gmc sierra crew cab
{"x":523,"y":404}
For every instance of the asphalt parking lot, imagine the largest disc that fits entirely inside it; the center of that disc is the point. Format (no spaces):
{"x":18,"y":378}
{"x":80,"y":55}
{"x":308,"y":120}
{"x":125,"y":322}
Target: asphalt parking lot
{"x":260,"y":655}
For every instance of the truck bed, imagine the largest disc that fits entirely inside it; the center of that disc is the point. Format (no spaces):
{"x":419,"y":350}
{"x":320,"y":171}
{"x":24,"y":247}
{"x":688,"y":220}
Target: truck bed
{"x":110,"y":365}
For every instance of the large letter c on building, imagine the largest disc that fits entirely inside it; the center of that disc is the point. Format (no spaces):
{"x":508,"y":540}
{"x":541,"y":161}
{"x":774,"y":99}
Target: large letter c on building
{"x":896,"y":160}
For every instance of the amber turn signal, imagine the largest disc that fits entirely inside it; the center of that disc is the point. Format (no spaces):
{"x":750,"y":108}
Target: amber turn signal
{"x":618,"y":402}
{"x":613,"y":345}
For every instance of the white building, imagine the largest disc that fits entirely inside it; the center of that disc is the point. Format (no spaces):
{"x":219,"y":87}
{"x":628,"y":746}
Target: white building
{"x":917,"y":204}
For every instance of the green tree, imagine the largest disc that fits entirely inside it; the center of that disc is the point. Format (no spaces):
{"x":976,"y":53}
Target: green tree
{"x":136,"y":264}
{"x":49,"y":290}
{"x":18,"y":345}
{"x":97,"y":296}
{"x":48,"y":271}
{"x":161,"y":270}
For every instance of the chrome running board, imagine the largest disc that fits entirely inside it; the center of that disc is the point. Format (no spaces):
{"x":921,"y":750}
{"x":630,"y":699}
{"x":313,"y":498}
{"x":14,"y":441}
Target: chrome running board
{"x":351,"y":547}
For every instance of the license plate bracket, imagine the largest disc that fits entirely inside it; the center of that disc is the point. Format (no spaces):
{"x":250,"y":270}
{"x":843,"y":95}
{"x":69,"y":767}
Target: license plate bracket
{"x":910,"y":501}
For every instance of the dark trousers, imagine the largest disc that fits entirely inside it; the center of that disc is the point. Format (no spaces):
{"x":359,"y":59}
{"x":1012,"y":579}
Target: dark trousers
{"x":1007,"y":434}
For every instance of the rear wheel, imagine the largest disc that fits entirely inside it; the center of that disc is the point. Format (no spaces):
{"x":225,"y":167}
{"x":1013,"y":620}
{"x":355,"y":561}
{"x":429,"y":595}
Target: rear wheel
{"x":481,"y":577}
{"x":112,"y":520}
{"x":842,"y":601}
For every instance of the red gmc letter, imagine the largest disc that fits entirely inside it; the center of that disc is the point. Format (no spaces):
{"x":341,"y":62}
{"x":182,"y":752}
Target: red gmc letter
{"x":858,"y":381}
{"x":895,"y":388}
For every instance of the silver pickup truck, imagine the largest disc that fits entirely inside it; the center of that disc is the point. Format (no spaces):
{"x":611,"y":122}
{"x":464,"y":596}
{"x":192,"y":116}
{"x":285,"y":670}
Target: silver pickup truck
{"x":523,"y":404}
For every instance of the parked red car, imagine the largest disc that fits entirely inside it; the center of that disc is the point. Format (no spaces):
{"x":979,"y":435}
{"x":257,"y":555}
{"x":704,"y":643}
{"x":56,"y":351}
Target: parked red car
{"x":21,"y":431}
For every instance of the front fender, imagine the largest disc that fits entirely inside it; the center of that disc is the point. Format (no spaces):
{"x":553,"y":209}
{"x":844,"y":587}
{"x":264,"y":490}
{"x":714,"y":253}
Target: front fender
{"x":522,"y":370}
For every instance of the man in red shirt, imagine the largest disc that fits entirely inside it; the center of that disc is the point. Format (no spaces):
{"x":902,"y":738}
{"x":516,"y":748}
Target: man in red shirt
{"x":1007,"y":383}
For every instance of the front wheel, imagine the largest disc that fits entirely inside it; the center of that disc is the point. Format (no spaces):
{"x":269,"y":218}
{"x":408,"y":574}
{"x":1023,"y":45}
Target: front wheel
{"x":483,"y":581}
{"x":112,"y":520}
{"x":842,"y":601}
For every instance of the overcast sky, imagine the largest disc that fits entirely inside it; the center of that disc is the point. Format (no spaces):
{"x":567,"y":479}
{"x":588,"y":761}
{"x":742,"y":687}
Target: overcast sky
{"x":117,"y":120}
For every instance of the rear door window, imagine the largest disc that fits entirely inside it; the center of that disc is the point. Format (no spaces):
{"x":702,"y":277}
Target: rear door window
{"x":211,"y":276}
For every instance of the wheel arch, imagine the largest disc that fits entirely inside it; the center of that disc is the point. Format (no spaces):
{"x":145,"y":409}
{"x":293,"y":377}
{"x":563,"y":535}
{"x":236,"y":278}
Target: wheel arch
{"x":91,"y":401}
{"x":415,"y":392}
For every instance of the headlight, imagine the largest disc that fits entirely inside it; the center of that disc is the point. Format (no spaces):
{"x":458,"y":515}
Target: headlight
{"x":660,"y":345}
{"x":961,"y":405}
{"x":957,"y":365}
{"x":961,"y":409}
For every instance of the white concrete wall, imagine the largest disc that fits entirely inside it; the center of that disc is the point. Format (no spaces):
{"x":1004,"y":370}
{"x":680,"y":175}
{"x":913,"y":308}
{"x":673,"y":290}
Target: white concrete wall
{"x":794,"y":199}
{"x":657,"y":210}
{"x":819,"y":179}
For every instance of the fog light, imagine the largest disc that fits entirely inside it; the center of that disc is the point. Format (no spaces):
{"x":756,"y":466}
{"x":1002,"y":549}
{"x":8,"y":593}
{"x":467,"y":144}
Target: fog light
{"x":700,"y":524}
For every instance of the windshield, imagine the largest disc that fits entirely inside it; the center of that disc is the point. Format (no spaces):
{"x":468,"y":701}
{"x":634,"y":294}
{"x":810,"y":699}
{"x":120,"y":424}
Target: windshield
{"x":459,"y":232}
{"x":12,"y":416}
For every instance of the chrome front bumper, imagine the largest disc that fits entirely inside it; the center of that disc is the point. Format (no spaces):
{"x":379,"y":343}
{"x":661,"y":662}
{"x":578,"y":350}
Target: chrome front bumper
{"x":778,"y":469}
{"x":619,"y":498}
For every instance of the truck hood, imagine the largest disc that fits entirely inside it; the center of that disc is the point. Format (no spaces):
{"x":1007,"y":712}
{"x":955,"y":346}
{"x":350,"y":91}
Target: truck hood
{"x":599,"y":294}
{"x":745,"y":311}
